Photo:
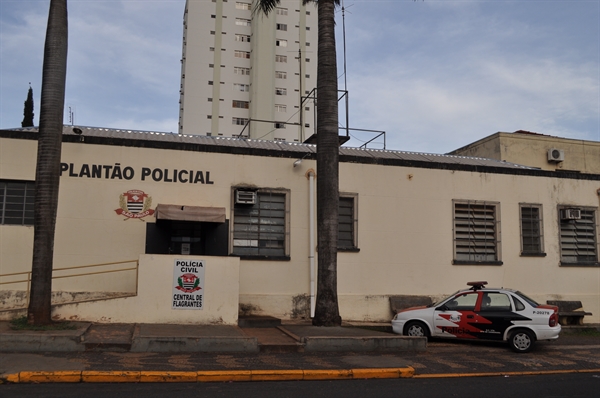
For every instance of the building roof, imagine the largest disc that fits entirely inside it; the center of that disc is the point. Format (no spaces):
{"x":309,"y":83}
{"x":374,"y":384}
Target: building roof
{"x":201,"y":143}
{"x":285,"y":149}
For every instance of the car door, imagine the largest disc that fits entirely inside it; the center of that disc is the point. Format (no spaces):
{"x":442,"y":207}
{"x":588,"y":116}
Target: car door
{"x":495,"y":315}
{"x":456,"y":317}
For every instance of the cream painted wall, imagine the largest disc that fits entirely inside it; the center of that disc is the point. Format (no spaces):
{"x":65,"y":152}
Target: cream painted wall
{"x":532,"y":150}
{"x":404,"y":227}
{"x":221,"y":292}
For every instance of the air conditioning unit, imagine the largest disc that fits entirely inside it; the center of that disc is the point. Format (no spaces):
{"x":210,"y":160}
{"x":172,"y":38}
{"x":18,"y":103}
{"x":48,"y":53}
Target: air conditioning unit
{"x":570,"y":214}
{"x":556,"y":155}
{"x":245,"y":197}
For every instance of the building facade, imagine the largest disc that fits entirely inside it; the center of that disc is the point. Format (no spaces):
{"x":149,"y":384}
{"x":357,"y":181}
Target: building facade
{"x":537,"y":150}
{"x":410,"y":224}
{"x":247,"y":74}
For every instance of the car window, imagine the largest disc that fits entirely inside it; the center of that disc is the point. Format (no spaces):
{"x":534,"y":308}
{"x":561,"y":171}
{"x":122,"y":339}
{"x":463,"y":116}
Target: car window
{"x":463,"y":302}
{"x":531,"y":302}
{"x":492,"y":301}
{"x":519,"y":306}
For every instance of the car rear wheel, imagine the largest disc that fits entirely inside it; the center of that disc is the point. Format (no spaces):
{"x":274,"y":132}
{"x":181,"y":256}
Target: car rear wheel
{"x":416,"y":329}
{"x":521,"y":340}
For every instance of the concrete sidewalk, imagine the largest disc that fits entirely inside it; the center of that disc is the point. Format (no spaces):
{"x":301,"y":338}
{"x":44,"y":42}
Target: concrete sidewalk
{"x":204,"y":338}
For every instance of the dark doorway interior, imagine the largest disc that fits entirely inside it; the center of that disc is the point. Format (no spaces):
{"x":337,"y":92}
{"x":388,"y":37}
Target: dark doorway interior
{"x":187,"y":238}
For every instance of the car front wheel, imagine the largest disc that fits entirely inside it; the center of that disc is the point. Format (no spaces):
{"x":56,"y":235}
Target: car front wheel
{"x":416,"y":329}
{"x":521,"y":340}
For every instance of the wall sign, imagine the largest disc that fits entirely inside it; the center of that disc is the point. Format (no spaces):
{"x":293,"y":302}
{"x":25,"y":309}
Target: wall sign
{"x":118,"y":172}
{"x":135,"y":204}
{"x":188,"y":284}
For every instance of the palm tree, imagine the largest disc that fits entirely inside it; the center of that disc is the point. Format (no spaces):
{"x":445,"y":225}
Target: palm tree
{"x":326,"y":308}
{"x":47,"y":173}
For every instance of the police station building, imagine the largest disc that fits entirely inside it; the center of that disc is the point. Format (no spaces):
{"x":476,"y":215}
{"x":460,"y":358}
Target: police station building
{"x":197,"y":229}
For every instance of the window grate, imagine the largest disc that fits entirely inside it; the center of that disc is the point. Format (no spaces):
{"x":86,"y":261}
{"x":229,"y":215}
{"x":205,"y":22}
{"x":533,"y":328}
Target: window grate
{"x":475,"y":232}
{"x":16,"y":202}
{"x":260,"y":229}
{"x":578,"y":238}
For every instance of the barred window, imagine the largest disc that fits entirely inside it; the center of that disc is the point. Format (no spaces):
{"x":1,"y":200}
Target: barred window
{"x":280,"y":108}
{"x":280,"y":91}
{"x":532,"y":243}
{"x":241,"y":87}
{"x":241,"y":54}
{"x":281,"y":11}
{"x":242,"y":6}
{"x":280,"y":43}
{"x":281,"y":26}
{"x":242,"y":22}
{"x":240,"y":121}
{"x":476,"y":233}
{"x":578,"y":244}
{"x":347,"y":222}
{"x":280,"y":75}
{"x":240,"y":104}
{"x":16,"y":202}
{"x":260,"y":223}
{"x":241,"y":71}
{"x":281,"y":58}
{"x":242,"y":38}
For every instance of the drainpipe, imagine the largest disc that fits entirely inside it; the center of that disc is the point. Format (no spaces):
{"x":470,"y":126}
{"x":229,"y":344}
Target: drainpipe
{"x":311,"y":241}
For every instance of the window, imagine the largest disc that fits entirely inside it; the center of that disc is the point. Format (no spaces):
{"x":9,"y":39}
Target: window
{"x":280,"y":91}
{"x":281,"y":58}
{"x":16,"y":202}
{"x":241,"y":87}
{"x":241,"y":71}
{"x":347,"y":222}
{"x":280,"y":75}
{"x":578,"y":244}
{"x":279,"y":125}
{"x":242,"y":6}
{"x":260,"y":223}
{"x":476,"y":233}
{"x":281,"y":26}
{"x":463,"y":302}
{"x":281,"y":43}
{"x":240,"y":121}
{"x":242,"y":38}
{"x":242,"y":22}
{"x":240,"y":104}
{"x":241,"y":54}
{"x":280,"y":108}
{"x":497,"y":302}
{"x":281,"y":11}
{"x":531,"y":230}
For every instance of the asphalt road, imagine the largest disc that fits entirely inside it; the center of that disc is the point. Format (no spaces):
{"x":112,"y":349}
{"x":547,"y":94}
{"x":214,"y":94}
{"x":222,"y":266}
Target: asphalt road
{"x":567,"y":385}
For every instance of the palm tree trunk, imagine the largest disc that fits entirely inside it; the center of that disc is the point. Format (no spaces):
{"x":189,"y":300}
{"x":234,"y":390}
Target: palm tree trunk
{"x":47,"y":174}
{"x":326,"y":308}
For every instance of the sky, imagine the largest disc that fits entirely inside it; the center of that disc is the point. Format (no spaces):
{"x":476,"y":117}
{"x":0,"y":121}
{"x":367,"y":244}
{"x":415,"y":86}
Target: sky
{"x":434,"y":75}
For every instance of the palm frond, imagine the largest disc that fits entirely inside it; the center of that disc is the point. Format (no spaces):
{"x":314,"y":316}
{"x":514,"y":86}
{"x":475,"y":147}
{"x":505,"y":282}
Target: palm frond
{"x":265,"y":6}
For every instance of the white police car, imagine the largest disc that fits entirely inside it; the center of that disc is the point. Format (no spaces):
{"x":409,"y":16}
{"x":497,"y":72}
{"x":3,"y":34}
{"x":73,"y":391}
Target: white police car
{"x":483,"y":313}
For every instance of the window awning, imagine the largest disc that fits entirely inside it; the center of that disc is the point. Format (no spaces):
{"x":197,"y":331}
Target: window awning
{"x":190,"y":213}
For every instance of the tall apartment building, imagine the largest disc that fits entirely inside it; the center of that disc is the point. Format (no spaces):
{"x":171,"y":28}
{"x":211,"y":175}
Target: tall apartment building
{"x":247,"y":74}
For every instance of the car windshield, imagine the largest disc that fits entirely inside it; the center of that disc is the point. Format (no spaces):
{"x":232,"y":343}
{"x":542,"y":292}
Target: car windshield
{"x":442,"y":300}
{"x":530,"y":301}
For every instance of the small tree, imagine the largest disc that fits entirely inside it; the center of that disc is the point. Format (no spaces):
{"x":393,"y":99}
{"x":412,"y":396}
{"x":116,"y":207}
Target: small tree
{"x":28,"y":110}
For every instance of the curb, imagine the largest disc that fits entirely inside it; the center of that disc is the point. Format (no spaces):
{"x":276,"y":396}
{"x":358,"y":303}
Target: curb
{"x":503,"y":374}
{"x":203,"y":376}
